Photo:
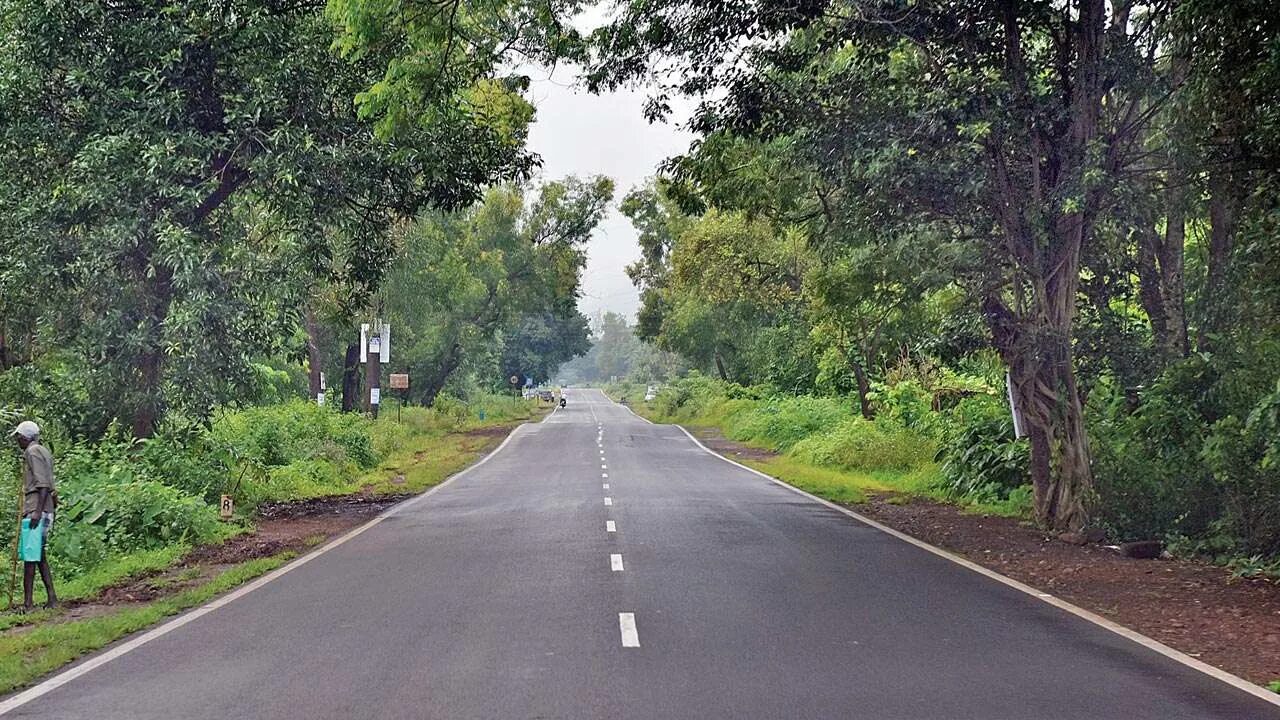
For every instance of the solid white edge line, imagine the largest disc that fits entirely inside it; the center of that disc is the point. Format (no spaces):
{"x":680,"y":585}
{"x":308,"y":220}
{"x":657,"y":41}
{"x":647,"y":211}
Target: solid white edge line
{"x":633,"y":412}
{"x":615,"y":562}
{"x":627,"y":626}
{"x":128,"y":646}
{"x":1155,"y":645}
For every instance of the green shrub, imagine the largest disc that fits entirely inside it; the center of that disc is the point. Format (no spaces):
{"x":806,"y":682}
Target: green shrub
{"x":1149,"y":477}
{"x":109,"y":506}
{"x":981,"y":458}
{"x":1244,"y":457}
{"x":907,"y":404}
{"x":781,"y":423}
{"x":863,"y":445}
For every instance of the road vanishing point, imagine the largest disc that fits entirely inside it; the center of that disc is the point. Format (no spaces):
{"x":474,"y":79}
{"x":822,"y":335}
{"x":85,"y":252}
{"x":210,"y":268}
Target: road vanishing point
{"x":598,"y":566}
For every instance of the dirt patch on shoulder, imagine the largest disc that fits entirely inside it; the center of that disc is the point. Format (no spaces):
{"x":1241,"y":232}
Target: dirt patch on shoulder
{"x":294,"y":526}
{"x":489,"y":431}
{"x":1192,"y":606}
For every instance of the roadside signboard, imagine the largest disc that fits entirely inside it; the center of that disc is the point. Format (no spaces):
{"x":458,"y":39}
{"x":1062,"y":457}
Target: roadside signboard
{"x":399,"y":381}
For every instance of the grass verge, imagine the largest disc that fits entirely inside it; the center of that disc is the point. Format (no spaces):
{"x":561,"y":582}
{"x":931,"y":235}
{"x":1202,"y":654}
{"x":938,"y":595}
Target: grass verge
{"x":30,"y":655}
{"x":424,"y":457}
{"x":844,"y":486}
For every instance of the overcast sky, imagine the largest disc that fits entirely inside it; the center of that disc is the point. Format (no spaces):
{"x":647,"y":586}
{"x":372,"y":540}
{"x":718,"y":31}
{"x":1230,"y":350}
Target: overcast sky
{"x":580,"y":134}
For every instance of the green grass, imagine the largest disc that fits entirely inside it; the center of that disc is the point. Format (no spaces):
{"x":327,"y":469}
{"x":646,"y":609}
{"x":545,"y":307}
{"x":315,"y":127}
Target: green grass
{"x":105,"y":575}
{"x":118,"y":570}
{"x":434,"y":456}
{"x":30,"y":655}
{"x":843,"y":486}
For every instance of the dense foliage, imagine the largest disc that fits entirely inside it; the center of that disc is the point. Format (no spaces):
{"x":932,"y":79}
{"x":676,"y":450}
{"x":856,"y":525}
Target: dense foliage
{"x":1078,"y":197}
{"x":202,"y":203}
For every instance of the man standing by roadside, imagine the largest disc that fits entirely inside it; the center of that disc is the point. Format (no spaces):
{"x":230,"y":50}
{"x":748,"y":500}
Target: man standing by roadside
{"x":40,"y":501}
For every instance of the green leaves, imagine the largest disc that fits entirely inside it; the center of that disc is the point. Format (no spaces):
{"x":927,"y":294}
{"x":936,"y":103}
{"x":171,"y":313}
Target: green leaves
{"x":491,"y":291}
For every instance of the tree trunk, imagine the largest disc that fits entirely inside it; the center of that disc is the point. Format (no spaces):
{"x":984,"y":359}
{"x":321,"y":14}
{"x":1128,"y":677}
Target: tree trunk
{"x":314,"y":361}
{"x":864,"y":389}
{"x":158,"y":291}
{"x":1172,"y":281}
{"x":351,"y":378}
{"x":435,"y":382}
{"x":1038,"y":353}
{"x":720,"y":366}
{"x":1171,"y":251}
{"x":147,"y":413}
{"x":1044,"y":242}
{"x":1224,"y":203}
{"x":1151,"y":283}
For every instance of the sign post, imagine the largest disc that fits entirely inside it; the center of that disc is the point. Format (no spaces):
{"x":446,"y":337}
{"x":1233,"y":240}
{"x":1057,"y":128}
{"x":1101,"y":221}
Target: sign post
{"x":400,"y":381}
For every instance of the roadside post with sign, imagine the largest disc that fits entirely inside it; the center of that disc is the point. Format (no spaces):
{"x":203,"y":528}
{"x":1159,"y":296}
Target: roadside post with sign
{"x":400,"y":381}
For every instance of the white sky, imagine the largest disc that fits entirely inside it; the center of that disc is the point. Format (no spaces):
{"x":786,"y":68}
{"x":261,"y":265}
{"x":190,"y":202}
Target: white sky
{"x":581,"y":134}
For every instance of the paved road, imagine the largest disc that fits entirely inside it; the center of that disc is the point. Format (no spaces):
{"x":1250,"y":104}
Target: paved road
{"x":502,"y":594}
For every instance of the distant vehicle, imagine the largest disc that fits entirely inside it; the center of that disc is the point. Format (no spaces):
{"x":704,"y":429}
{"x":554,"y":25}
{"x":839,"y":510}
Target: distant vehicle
{"x":562,"y":402}
{"x":546,"y":395}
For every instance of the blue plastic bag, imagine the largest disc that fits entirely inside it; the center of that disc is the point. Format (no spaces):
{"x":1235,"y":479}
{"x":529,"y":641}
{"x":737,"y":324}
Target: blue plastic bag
{"x":32,"y":541}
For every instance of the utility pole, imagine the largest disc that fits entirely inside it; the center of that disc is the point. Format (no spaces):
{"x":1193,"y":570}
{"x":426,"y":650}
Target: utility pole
{"x":375,"y":347}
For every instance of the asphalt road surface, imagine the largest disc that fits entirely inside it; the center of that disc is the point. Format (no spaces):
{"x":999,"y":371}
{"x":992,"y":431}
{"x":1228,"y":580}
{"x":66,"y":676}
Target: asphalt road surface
{"x":602,"y":567}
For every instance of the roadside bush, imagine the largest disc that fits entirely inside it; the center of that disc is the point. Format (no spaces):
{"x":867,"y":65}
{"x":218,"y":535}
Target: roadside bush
{"x":294,"y":450}
{"x":109,"y":506}
{"x":907,"y":404}
{"x":1149,"y":476}
{"x":1244,"y":457}
{"x":863,"y":445}
{"x":981,"y":458}
{"x":781,"y":423}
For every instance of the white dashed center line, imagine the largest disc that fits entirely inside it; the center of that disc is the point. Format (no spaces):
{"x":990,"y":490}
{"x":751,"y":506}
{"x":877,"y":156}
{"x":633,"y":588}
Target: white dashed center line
{"x":608,"y":501}
{"x":604,"y":474}
{"x":615,"y":562}
{"x":603,"y":466}
{"x":627,"y":624}
{"x":609,"y":526}
{"x":606,"y":486}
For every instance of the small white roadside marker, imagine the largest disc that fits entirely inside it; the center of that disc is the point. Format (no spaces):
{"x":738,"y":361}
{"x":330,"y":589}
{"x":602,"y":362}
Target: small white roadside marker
{"x":615,"y":562}
{"x":609,"y":526}
{"x":608,"y":501}
{"x":627,"y":624}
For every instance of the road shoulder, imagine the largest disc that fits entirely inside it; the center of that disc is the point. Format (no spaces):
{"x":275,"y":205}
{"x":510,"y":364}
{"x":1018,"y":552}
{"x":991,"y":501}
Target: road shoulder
{"x":208,"y":576}
{"x":1196,"y":610}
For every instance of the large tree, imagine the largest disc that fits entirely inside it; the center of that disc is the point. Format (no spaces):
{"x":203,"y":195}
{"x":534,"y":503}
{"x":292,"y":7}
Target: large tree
{"x":176,"y":175}
{"x":464,"y":280}
{"x":1007,"y":124}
